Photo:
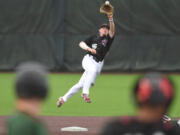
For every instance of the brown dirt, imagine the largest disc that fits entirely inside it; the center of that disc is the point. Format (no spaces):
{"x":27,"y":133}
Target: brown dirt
{"x":94,"y":124}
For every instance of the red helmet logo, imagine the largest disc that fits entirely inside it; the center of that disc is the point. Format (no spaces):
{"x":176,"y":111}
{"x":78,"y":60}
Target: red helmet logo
{"x":144,"y":90}
{"x":166,"y":88}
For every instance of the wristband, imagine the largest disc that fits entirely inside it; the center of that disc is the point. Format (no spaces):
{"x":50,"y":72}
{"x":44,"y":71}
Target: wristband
{"x":110,"y":20}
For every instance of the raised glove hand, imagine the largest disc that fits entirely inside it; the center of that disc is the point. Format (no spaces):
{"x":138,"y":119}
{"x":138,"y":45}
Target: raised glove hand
{"x":107,"y":9}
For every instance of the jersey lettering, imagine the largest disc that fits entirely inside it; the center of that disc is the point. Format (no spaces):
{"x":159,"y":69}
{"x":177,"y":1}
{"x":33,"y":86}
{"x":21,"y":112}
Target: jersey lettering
{"x":94,"y":46}
{"x":100,"y":44}
{"x":104,"y":42}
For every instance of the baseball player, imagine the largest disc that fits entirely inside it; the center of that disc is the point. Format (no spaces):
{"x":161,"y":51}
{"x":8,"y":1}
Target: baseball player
{"x":97,"y":47}
{"x":153,"y":94}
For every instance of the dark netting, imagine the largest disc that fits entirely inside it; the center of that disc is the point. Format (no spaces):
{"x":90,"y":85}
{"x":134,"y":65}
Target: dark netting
{"x":48,"y":31}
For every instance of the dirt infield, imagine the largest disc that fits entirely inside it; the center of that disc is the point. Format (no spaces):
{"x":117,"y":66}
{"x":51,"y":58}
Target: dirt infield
{"x":94,"y":124}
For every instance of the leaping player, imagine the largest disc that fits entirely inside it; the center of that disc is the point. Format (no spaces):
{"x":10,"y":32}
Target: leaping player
{"x":97,"y":47}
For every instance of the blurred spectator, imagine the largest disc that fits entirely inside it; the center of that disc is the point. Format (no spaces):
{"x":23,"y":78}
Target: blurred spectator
{"x":31,"y":88}
{"x":153,"y":94}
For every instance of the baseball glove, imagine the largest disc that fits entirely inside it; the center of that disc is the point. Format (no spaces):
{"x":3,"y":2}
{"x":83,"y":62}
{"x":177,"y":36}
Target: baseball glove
{"x":107,"y":8}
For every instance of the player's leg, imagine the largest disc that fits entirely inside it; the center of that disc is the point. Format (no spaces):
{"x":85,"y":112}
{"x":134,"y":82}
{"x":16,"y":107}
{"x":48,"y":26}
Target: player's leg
{"x":90,"y":77}
{"x":77,"y":87}
{"x":93,"y":68}
{"x":88,"y":66}
{"x":100,"y":66}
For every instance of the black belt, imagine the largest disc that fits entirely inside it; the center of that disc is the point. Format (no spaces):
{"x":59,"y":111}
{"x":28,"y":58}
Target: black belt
{"x":95,"y":58}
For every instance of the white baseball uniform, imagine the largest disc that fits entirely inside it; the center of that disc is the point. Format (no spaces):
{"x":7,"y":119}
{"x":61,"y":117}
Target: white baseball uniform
{"x":92,"y":70}
{"x":92,"y":64}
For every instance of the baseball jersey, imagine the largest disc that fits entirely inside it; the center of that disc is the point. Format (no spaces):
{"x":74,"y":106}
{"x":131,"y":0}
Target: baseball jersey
{"x":24,"y":124}
{"x":131,"y":126}
{"x":100,"y":44}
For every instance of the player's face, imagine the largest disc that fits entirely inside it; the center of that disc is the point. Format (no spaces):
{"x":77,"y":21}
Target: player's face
{"x":103,"y":31}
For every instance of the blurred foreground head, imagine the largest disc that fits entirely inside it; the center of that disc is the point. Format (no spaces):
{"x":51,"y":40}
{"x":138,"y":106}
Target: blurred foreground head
{"x":154,"y":90}
{"x":31,"y":81}
{"x":153,"y":94}
{"x":31,"y":89}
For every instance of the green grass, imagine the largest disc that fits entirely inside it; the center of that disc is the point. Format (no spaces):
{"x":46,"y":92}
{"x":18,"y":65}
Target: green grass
{"x":111,"y":96}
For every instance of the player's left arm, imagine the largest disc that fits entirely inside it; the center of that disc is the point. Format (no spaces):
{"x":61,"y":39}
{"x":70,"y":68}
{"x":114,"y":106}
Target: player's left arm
{"x":112,"y":26}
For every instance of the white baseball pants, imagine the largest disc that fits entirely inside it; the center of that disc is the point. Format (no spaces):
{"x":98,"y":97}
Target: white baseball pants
{"x":91,"y":70}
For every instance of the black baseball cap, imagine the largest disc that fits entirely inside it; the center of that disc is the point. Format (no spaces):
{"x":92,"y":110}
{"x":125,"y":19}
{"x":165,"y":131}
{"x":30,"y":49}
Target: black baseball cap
{"x":31,"y":81}
{"x":154,"y":89}
{"x":104,"y":26}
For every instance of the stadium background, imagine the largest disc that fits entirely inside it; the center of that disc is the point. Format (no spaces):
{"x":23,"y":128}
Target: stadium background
{"x":48,"y":31}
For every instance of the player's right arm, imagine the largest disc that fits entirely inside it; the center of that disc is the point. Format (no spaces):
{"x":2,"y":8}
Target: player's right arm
{"x":112,"y":26}
{"x":84,"y":46}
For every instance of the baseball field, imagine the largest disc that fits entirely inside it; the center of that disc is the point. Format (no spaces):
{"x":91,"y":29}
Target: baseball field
{"x":111,"y":96}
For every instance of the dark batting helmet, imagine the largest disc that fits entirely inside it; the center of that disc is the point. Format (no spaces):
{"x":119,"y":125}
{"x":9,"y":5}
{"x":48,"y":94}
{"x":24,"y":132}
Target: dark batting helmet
{"x":154,"y":89}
